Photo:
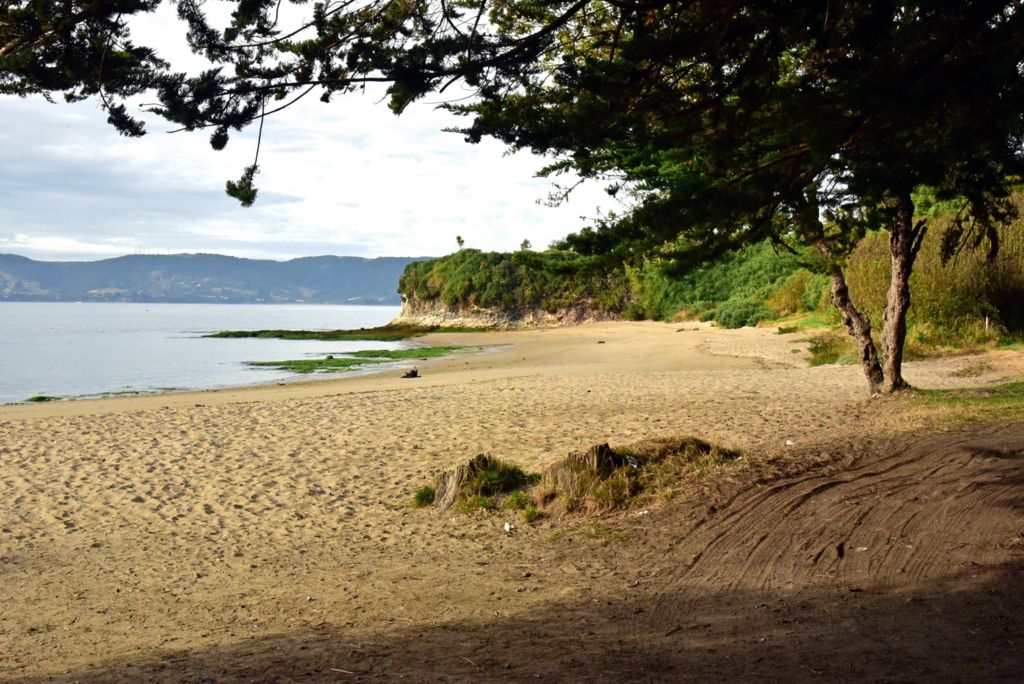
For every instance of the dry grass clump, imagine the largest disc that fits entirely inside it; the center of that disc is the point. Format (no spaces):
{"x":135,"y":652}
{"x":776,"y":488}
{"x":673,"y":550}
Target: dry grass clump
{"x":602,"y":479}
{"x":597,"y":480}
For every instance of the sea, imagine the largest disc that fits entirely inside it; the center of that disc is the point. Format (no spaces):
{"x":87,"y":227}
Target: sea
{"x":86,"y":350}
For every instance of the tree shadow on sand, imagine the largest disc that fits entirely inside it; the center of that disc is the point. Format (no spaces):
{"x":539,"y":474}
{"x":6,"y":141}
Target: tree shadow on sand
{"x":964,"y":628}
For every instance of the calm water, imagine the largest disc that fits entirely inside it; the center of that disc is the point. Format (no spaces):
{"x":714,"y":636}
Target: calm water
{"x":75,"y":350}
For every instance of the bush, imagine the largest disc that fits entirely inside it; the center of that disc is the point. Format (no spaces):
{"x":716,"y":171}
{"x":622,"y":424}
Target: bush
{"x":736,"y":314}
{"x":954,"y":297}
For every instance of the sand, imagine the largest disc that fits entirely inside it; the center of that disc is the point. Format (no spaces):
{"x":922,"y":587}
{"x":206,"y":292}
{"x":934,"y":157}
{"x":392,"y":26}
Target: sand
{"x":264,"y":534}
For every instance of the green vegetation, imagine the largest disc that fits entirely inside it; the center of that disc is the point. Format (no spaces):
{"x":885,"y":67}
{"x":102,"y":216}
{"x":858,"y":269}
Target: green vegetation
{"x":412,"y":353}
{"x":41,"y":398}
{"x":598,"y":480}
{"x":498,"y":477}
{"x":963,"y":304}
{"x":475,"y":503}
{"x":532,"y":514}
{"x":424,"y":496}
{"x":516,"y":282}
{"x":1000,"y":403}
{"x":334,"y":364}
{"x":483,"y":483}
{"x":831,"y":347}
{"x":325,"y":365}
{"x":606,"y":479}
{"x":517,"y":500}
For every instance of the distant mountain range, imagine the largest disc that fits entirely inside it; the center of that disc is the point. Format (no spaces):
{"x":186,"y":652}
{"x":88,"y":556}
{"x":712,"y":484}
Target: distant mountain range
{"x":204,"y":278}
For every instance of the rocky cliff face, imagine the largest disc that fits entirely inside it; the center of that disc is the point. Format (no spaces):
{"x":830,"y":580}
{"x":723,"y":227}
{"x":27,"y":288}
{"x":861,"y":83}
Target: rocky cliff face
{"x":434,"y":312}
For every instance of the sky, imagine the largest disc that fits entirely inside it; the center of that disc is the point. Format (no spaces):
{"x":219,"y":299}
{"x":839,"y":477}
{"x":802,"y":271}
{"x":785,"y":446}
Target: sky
{"x":346,"y":178}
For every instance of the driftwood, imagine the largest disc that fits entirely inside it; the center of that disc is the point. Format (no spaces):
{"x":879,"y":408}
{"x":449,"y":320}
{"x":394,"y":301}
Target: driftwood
{"x":413,"y":373}
{"x":450,"y":484}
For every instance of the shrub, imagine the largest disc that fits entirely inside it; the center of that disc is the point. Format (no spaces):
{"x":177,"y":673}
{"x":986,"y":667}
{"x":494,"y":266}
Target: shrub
{"x":532,"y":514}
{"x":831,"y":348}
{"x":736,"y":314}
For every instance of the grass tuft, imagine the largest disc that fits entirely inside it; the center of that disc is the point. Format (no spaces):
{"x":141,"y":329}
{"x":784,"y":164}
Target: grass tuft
{"x":499,"y":477}
{"x":424,"y":496}
{"x":517,"y":500}
{"x":532,"y":514}
{"x":475,"y":503}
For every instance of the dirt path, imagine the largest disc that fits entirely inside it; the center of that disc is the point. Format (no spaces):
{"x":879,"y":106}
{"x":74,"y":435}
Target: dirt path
{"x":902,"y":562}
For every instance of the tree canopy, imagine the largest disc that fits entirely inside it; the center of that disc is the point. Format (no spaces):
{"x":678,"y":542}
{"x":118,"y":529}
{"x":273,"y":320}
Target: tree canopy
{"x":720,"y":123}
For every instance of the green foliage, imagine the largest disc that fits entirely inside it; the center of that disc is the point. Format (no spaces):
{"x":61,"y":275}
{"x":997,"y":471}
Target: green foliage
{"x":517,"y":500}
{"x":736,"y":314}
{"x":325,"y":365}
{"x":950,"y":301}
{"x":831,"y":347}
{"x":412,"y":353}
{"x":515,"y":282}
{"x":532,"y":514}
{"x":475,"y":503}
{"x":731,"y":290}
{"x":424,"y":496}
{"x":333,"y":364}
{"x":42,"y":398}
{"x":998,"y":403}
{"x":499,"y":477}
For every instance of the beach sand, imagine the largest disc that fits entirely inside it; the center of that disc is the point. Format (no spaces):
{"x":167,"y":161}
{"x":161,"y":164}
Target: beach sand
{"x":264,"y":534}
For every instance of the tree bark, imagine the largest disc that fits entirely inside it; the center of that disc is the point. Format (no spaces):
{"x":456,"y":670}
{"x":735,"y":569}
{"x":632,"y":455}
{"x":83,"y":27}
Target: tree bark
{"x":857,"y":324}
{"x":904,"y":243}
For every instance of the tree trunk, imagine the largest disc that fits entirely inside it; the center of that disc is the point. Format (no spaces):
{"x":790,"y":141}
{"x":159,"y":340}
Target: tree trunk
{"x":904,"y":243}
{"x":857,"y":324}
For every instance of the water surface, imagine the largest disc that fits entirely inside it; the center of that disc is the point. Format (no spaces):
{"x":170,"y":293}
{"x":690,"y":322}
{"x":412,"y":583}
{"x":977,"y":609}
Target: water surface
{"x":90,"y":349}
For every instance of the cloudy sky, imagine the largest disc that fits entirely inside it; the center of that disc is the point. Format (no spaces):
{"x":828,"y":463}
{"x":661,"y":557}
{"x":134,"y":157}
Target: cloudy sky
{"x":346,"y":178}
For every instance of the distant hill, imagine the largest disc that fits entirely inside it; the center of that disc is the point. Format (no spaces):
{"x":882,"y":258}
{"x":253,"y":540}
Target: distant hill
{"x":204,"y":278}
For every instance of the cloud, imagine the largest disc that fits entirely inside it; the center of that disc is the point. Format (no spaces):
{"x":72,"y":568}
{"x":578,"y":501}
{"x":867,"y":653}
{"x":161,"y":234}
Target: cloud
{"x":345,"y":178}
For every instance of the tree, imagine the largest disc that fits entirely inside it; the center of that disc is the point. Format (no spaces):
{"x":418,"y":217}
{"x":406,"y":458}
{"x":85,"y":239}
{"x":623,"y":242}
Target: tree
{"x":525,"y":245}
{"x":459,"y":241}
{"x":721,"y":123}
{"x":806,"y":124}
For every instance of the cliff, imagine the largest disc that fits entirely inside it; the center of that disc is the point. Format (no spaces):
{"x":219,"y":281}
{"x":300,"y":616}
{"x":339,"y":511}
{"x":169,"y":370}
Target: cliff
{"x":430,"y":313}
{"x":474,"y":289}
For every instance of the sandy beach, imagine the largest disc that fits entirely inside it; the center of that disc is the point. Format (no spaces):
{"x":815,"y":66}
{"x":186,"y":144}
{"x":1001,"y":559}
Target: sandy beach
{"x":264,"y":534}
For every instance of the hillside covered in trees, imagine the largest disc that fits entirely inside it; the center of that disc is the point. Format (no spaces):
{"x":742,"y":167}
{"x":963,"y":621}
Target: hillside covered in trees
{"x":203,"y":278}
